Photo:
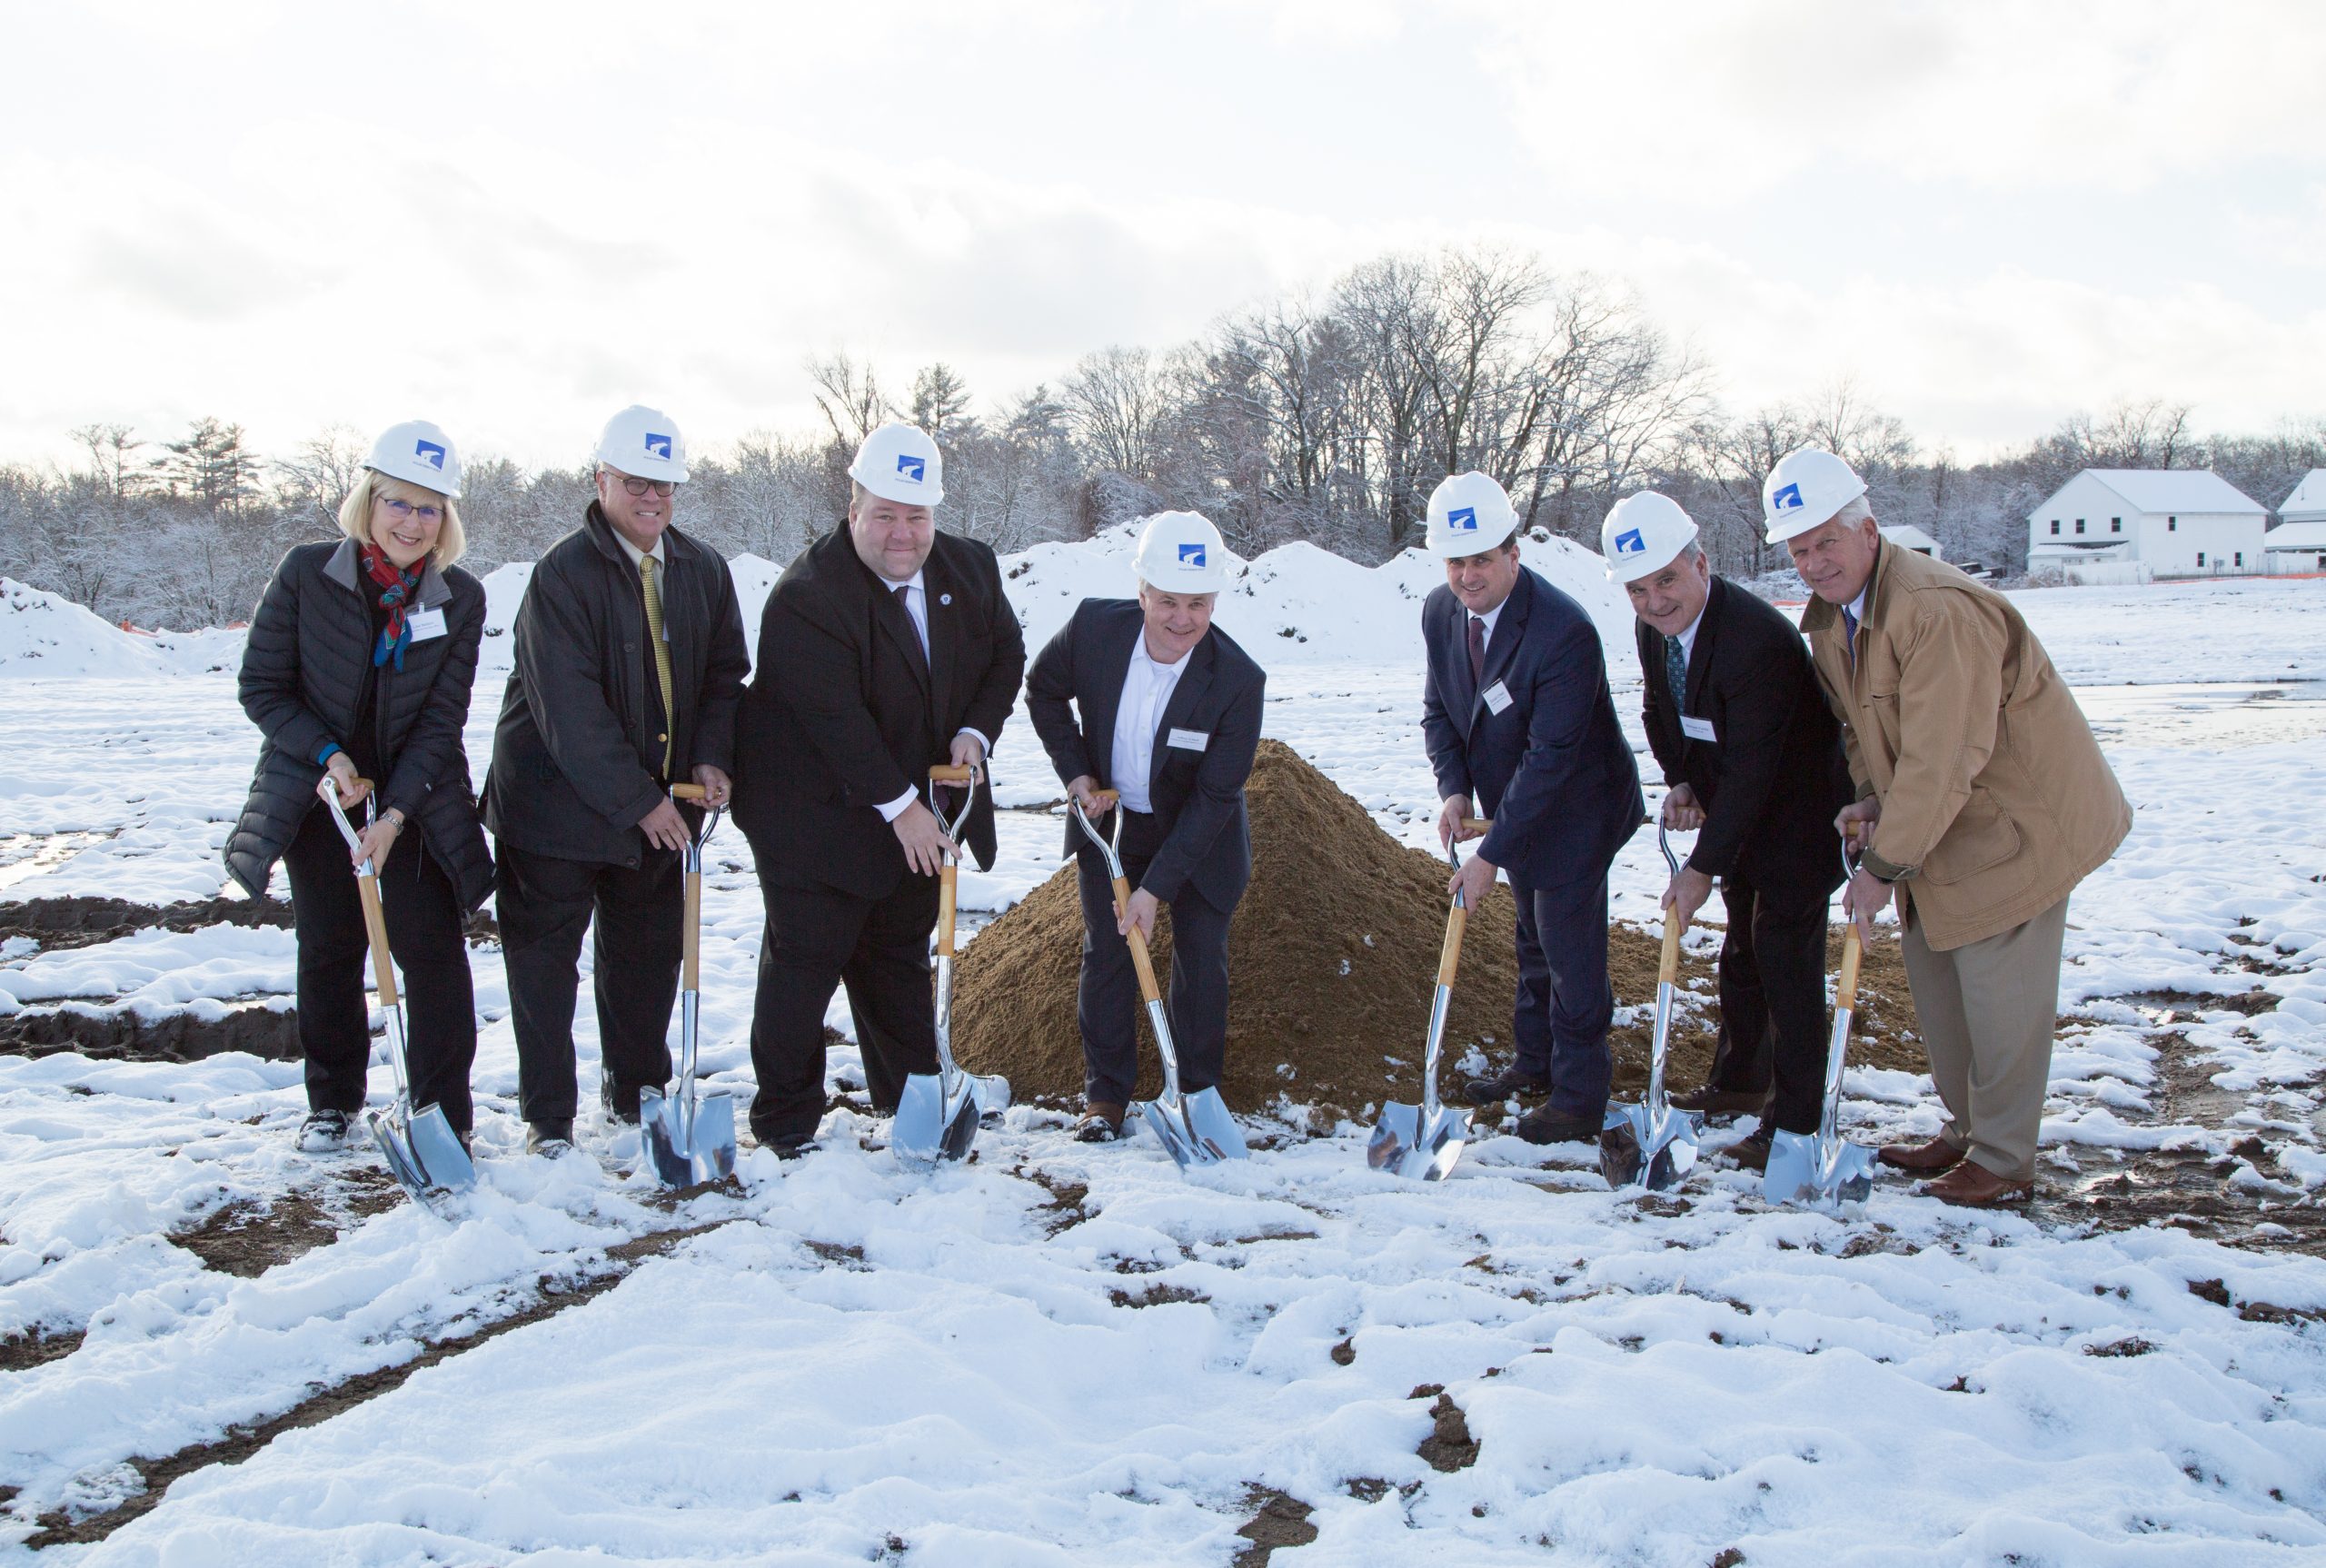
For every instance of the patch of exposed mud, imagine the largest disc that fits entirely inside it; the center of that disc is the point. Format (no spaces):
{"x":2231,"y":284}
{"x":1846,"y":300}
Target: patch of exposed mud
{"x":2191,"y":1189}
{"x":81,"y":922}
{"x":123,"y":1034}
{"x":19,"y":1352}
{"x":1279,"y":1519}
{"x":246,"y":1238}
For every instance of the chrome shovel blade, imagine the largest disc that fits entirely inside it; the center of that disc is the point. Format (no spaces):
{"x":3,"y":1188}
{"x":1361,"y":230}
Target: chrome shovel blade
{"x":1639,"y":1149}
{"x":1168,"y":1122}
{"x":932,"y":1125}
{"x":1801,"y":1169}
{"x":1404,"y":1147}
{"x":677,"y":1160}
{"x":423,"y":1152}
{"x":1214,"y":1127}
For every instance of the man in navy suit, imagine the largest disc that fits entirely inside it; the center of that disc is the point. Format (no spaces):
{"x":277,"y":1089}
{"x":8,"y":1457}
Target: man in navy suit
{"x":1521,"y":728}
{"x":1169,"y":716}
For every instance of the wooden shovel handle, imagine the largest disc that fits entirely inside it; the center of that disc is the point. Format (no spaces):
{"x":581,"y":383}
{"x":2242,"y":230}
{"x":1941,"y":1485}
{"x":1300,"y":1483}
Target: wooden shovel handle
{"x":947,"y":876}
{"x":1845,"y":991}
{"x":1449,"y":955}
{"x":688,"y":791}
{"x":375,"y":927}
{"x":1139,"y":957}
{"x":1668,"y":967}
{"x":1103,"y":801}
{"x":1478,"y":824}
{"x":949,"y":774}
{"x":694,"y":931}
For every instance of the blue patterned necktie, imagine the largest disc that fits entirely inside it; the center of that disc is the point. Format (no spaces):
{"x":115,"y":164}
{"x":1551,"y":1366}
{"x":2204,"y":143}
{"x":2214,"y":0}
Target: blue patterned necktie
{"x":1675,"y":672}
{"x":1849,"y":635}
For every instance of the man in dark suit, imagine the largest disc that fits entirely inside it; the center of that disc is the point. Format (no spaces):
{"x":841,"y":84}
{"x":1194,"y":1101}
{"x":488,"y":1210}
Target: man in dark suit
{"x":1754,"y":761}
{"x":629,"y":660}
{"x":887,"y":649}
{"x":1170,"y":717}
{"x":1521,"y":728}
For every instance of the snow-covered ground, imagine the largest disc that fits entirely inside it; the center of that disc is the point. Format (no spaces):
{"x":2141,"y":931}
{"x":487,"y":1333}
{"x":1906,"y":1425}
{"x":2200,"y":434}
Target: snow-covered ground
{"x":1061,"y":1355}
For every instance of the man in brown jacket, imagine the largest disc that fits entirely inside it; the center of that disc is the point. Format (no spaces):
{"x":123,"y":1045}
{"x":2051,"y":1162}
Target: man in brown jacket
{"x":1987,"y":800}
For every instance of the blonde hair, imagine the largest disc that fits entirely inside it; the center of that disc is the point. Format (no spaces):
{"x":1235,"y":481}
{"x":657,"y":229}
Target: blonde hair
{"x":355,"y":513}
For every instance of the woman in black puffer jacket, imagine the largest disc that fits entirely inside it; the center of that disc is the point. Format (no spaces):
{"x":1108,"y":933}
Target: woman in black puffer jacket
{"x":358,"y":665}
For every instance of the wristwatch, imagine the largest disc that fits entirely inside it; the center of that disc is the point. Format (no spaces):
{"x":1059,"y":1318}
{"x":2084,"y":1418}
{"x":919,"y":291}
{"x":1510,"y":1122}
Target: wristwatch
{"x":395,"y":815}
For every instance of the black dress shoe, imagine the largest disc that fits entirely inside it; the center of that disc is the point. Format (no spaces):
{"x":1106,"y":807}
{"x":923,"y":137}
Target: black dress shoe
{"x":1712,"y":1102}
{"x":784,"y":1146}
{"x":551,"y":1140}
{"x":1540,"y":1127}
{"x":1504,"y":1085}
{"x":620,"y":1100}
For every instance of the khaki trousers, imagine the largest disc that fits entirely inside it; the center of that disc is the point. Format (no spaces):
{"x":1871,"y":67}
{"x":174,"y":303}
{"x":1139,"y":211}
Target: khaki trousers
{"x":1987,"y":1011}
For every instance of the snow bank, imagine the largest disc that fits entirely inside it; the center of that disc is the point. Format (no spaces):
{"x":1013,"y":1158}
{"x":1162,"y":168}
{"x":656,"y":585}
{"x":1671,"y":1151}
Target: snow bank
{"x":49,"y":634}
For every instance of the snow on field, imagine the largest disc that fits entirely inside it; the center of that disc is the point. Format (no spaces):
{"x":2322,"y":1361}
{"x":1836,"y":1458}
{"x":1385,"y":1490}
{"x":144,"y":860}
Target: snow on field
{"x":1062,"y":1354}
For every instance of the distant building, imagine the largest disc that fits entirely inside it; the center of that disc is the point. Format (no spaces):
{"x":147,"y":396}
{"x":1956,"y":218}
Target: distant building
{"x":1906,"y":536}
{"x":2143,"y":523}
{"x":2299,"y":542}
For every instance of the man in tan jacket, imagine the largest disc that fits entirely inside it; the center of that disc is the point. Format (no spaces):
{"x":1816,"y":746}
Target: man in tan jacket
{"x":1987,"y":800}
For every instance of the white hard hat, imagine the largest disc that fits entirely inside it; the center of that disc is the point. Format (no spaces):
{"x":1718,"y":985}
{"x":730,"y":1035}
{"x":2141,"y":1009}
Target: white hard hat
{"x":645,"y":443}
{"x":1181,"y":552}
{"x":1645,"y":533}
{"x":418,"y":453}
{"x":1469,"y":515}
{"x":1804,"y":491}
{"x":898,"y":462}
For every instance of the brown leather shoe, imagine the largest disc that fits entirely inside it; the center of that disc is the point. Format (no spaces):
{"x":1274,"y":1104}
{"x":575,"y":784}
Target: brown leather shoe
{"x":1100,"y":1124}
{"x":1973,"y":1185}
{"x":1712,"y":1102}
{"x":1937,"y":1154}
{"x":1752,"y":1152}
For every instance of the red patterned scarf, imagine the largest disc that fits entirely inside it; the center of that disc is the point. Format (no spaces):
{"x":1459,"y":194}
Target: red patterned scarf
{"x":396,"y":589}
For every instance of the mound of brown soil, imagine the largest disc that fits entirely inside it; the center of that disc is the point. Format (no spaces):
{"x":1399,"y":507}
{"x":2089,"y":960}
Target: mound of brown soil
{"x":1332,"y":959}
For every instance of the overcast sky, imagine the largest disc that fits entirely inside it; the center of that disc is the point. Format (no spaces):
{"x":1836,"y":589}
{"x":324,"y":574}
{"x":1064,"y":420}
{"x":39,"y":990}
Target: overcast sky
{"x":513,"y":219}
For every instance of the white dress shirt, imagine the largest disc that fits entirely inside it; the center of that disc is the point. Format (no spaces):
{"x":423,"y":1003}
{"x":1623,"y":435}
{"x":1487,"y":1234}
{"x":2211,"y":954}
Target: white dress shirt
{"x":1688,"y":638}
{"x":916,"y":600}
{"x":1147,"y":692}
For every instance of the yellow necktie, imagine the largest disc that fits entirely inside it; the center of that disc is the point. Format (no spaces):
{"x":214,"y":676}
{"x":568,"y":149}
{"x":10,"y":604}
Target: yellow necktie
{"x":661,"y":654}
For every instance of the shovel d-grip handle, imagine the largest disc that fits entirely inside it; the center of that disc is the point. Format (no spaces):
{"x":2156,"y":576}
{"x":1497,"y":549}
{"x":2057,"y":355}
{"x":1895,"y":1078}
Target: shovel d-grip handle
{"x":1104,"y":800}
{"x":689,"y":792}
{"x":949,"y":774}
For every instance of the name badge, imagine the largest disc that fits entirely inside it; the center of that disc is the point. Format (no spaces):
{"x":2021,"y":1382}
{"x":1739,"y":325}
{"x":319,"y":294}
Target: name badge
{"x":426,"y":624}
{"x":1497,"y":697}
{"x":1697,"y":729}
{"x":1189,"y":739}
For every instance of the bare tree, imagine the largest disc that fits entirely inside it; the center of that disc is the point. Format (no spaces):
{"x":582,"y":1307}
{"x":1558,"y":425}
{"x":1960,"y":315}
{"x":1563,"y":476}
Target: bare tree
{"x":1114,"y":404}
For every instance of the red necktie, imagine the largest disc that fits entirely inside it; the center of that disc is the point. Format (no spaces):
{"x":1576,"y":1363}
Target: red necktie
{"x":1478,"y":649}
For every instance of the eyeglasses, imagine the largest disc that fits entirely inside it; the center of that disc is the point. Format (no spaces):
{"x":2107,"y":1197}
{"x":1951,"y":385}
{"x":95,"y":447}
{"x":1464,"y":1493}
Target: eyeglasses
{"x":661,"y":487}
{"x":404,"y":512}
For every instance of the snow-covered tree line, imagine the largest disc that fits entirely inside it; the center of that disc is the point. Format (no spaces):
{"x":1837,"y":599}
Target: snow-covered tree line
{"x":1321,"y":417}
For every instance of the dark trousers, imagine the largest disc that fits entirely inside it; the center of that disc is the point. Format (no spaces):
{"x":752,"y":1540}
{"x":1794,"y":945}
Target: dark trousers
{"x":636,"y":919}
{"x":422,"y":914}
{"x":817,"y":938}
{"x":1772,"y":1000}
{"x":1565,"y":1003}
{"x":1107,"y":1004}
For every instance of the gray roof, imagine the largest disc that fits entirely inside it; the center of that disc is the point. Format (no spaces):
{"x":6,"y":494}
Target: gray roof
{"x":2309,"y":497}
{"x":2164,"y":490}
{"x":2306,"y":535}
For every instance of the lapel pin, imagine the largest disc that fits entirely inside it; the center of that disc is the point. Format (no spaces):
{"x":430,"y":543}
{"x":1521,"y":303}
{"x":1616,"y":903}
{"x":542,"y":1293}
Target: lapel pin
{"x":944,"y":599}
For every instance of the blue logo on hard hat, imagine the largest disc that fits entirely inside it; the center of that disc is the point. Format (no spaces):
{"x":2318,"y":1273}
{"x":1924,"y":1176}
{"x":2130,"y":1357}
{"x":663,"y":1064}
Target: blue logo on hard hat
{"x":1191,"y":555}
{"x":658,"y":446}
{"x":911,"y":467}
{"x":1786,"y":499}
{"x":429,"y":453}
{"x":1462,"y":519}
{"x":1630,"y":543}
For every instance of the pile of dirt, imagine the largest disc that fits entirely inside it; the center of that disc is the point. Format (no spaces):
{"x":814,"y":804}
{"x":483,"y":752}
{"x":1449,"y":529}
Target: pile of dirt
{"x":1332,"y":958}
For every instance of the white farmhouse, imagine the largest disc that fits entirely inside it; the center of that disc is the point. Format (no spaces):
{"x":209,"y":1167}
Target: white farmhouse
{"x":2299,"y":542}
{"x":2146,"y":522}
{"x":1906,"y":536}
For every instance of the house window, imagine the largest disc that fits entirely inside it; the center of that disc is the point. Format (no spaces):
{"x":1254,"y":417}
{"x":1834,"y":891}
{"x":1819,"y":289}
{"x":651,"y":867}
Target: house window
{"x":2172,"y":525}
{"x":2055,"y":525}
{"x":2079,"y":525}
{"x":2200,"y":558}
{"x":2241,"y":558}
{"x":2115,"y":525}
